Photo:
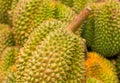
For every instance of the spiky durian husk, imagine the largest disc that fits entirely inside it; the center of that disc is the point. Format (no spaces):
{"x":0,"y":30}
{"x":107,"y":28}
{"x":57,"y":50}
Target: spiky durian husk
{"x":7,"y":60}
{"x":106,"y":32}
{"x":59,"y":58}
{"x":92,"y":80}
{"x":5,"y":6}
{"x":29,"y":14}
{"x":87,"y":31}
{"x":100,"y":68}
{"x":63,"y":13}
{"x":6,"y":37}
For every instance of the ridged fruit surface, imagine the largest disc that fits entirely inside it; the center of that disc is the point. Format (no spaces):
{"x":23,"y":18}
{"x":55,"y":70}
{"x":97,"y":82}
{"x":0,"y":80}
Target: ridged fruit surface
{"x":31,"y":13}
{"x":106,"y":39}
{"x":58,"y":59}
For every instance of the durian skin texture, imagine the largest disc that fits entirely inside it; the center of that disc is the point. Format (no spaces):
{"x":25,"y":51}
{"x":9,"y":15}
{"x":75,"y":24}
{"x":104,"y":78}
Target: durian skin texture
{"x":6,"y":37}
{"x":5,"y":6}
{"x":36,"y":37}
{"x":31,"y":13}
{"x":92,"y":80}
{"x":106,"y":39}
{"x":100,"y":68}
{"x":118,"y":66}
{"x":7,"y":60}
{"x":58,"y":59}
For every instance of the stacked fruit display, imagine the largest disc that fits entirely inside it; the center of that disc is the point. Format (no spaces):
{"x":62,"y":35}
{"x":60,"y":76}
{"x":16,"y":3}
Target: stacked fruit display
{"x":59,"y":41}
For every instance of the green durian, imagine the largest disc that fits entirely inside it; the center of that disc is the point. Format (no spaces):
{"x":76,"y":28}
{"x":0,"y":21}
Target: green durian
{"x":5,"y":6}
{"x":100,"y":68}
{"x":92,"y":80}
{"x":106,"y":39}
{"x":6,"y":37}
{"x":58,"y":59}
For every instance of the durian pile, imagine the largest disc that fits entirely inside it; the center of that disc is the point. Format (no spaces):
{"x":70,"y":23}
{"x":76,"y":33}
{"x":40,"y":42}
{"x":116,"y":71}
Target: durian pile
{"x":59,"y":41}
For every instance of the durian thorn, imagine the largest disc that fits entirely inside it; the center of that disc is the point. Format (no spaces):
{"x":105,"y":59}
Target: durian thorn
{"x":73,"y":26}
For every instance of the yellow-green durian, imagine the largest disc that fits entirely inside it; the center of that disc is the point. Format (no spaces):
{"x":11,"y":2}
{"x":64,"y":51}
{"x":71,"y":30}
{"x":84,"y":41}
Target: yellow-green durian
{"x":59,"y":58}
{"x":31,"y":13}
{"x":100,"y":68}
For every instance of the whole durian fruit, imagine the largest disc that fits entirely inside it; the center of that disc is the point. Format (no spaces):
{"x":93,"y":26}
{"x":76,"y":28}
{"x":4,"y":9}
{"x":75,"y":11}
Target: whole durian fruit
{"x":106,"y":39}
{"x":92,"y":80}
{"x":6,"y":37}
{"x":100,"y":68}
{"x":58,"y":59}
{"x":7,"y":60}
{"x":5,"y":6}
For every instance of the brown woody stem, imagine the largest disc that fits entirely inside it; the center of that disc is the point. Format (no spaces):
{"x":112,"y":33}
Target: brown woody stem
{"x":74,"y":25}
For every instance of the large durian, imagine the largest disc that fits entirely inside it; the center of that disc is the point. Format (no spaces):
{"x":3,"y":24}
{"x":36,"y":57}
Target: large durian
{"x":5,"y":6}
{"x":58,"y":59}
{"x":31,"y":13}
{"x":6,"y":37}
{"x":100,"y":68}
{"x":106,"y":40}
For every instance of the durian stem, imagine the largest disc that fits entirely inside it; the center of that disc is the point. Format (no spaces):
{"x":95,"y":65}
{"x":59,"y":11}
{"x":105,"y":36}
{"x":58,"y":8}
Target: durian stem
{"x":74,"y":25}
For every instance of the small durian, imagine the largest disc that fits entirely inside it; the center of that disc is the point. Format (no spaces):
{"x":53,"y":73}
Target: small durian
{"x":100,"y":68}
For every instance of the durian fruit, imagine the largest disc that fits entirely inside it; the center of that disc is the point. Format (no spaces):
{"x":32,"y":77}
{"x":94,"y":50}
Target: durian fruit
{"x":92,"y":80}
{"x":7,"y":60}
{"x":36,"y":37}
{"x":5,"y":6}
{"x":100,"y":68}
{"x":6,"y":37}
{"x":87,"y":31}
{"x":27,"y":16}
{"x":58,"y":59}
{"x":106,"y":39}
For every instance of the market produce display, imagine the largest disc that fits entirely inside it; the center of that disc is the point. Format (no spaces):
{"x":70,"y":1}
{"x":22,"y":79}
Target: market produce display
{"x":59,"y":41}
